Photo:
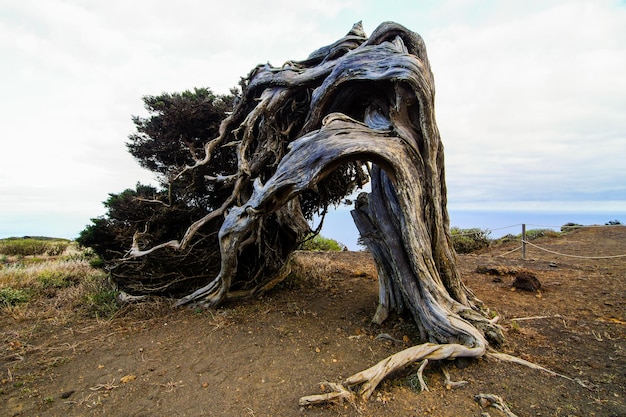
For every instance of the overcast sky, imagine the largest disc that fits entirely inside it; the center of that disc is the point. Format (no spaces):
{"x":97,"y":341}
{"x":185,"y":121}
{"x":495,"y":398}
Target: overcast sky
{"x":531,"y":95}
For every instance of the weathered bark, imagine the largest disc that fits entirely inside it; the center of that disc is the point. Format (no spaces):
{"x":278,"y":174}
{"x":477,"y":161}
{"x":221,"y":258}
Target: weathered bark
{"x":296,"y":127}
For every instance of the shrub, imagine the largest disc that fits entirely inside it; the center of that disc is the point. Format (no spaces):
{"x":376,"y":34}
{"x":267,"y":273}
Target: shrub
{"x":613,"y":223}
{"x":538,"y":233}
{"x":322,"y":243}
{"x":469,"y":240}
{"x":57,"y":247}
{"x":508,"y":238}
{"x":568,"y":227}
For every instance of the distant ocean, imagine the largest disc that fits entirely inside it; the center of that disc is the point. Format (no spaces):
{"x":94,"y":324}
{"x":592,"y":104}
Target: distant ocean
{"x":339,"y":225}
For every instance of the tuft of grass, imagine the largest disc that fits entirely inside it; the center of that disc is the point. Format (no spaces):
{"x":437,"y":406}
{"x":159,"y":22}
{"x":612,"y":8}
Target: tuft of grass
{"x":102,"y":302}
{"x":308,"y":269}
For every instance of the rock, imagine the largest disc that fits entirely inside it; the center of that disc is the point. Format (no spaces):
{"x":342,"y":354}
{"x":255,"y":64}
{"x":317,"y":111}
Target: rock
{"x":526,"y":281}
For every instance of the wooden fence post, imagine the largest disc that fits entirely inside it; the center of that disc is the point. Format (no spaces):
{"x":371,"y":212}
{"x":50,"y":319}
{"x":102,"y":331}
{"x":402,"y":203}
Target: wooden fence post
{"x":523,"y":241}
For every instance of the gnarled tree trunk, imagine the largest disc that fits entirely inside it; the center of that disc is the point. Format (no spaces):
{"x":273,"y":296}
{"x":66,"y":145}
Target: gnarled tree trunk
{"x":296,"y":127}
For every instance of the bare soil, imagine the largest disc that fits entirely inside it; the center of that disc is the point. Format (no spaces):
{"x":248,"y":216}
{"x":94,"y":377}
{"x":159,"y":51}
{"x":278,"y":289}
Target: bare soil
{"x":258,"y":357}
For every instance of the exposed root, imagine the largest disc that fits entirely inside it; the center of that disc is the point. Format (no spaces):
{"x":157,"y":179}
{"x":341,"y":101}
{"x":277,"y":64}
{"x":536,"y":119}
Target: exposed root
{"x":513,"y":359}
{"x":449,"y":384}
{"x":338,"y":394}
{"x":387,"y":336}
{"x":107,"y":386}
{"x":490,"y":400}
{"x":364,"y":383}
{"x":420,"y":376}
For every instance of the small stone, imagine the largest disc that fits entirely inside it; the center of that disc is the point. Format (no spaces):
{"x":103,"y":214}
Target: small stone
{"x":67,"y":394}
{"x":127,"y":378}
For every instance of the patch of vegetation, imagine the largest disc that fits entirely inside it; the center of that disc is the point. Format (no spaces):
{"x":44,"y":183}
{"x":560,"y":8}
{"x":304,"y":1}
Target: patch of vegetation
{"x":508,"y":238}
{"x":12,"y":296}
{"x":414,"y":383}
{"x":102,"y":302}
{"x":29,"y":246}
{"x":87,"y":255}
{"x":69,"y":279}
{"x":55,"y":279}
{"x":469,"y":240}
{"x":613,"y":223}
{"x":321,"y":243}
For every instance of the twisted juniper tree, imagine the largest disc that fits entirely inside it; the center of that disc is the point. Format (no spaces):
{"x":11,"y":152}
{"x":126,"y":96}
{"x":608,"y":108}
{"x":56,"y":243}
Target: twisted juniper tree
{"x":303,"y":136}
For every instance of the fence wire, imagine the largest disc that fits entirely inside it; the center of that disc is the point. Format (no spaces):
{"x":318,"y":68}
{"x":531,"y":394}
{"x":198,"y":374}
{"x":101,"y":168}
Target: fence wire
{"x":545,"y":249}
{"x":573,"y":256}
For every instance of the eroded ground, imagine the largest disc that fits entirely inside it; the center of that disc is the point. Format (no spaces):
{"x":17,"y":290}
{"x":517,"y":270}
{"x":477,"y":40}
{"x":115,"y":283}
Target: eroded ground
{"x":258,"y":357}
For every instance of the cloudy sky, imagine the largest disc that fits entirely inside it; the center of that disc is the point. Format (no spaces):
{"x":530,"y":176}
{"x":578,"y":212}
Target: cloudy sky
{"x":531,"y":95}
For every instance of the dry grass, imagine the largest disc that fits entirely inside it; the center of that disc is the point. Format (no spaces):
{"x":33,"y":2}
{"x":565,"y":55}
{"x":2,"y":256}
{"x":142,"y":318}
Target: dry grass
{"x":50,"y":272}
{"x":310,"y":267}
{"x":58,"y":286}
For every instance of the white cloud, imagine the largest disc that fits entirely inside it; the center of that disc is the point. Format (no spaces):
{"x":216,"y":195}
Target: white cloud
{"x":532,"y":105}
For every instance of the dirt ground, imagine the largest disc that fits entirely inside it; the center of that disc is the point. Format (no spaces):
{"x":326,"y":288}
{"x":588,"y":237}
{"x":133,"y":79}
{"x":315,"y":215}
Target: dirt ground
{"x":258,"y":357}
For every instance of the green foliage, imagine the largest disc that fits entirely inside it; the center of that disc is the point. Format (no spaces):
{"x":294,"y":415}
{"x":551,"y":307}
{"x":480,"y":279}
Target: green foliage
{"x":469,"y":240}
{"x":102,"y":302}
{"x":321,"y":243}
{"x":111,"y":236}
{"x":12,"y":296}
{"x":29,"y":246}
{"x":178,"y":126}
{"x":165,"y":142}
{"x":97,"y":263}
{"x":613,"y":223}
